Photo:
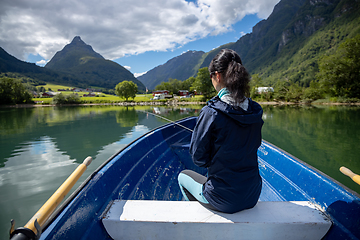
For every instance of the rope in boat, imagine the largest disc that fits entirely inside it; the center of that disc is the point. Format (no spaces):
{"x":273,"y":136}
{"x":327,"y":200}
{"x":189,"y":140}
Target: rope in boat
{"x":167,"y":120}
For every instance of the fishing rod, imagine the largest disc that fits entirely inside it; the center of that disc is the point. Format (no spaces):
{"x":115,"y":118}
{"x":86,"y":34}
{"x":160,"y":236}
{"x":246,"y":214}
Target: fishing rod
{"x":167,"y":120}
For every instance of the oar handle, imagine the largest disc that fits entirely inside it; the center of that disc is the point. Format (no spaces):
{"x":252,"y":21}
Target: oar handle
{"x":349,"y":173}
{"x":51,"y":204}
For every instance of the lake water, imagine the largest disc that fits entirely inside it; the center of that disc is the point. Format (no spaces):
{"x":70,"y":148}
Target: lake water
{"x":40,"y":147}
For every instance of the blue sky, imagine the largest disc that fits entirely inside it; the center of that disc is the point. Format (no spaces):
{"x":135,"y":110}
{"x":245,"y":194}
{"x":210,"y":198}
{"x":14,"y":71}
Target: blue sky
{"x":137,"y":34}
{"x":148,"y":60}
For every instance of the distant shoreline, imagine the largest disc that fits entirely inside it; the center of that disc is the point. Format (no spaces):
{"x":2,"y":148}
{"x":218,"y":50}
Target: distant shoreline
{"x":168,"y":103}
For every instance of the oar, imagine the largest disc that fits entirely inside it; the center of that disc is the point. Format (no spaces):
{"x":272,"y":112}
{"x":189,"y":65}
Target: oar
{"x":33,"y":227}
{"x":353,"y":176}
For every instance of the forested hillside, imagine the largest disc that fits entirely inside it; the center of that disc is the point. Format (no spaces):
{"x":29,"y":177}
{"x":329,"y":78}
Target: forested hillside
{"x":76,"y":65}
{"x":30,"y":72}
{"x":316,"y":31}
{"x":181,"y":67}
{"x":289,"y":44}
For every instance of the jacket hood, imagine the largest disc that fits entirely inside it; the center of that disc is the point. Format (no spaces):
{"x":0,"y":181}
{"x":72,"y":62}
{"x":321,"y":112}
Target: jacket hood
{"x":244,"y":117}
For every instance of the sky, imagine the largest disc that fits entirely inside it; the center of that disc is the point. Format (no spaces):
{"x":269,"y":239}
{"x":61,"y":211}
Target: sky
{"x":137,"y":34}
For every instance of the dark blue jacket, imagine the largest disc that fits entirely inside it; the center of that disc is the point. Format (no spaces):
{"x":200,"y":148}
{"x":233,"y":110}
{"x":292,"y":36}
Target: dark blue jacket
{"x":225,"y":140}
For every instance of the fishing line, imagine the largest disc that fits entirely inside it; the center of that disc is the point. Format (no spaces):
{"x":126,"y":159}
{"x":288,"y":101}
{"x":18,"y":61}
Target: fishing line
{"x":167,"y":120}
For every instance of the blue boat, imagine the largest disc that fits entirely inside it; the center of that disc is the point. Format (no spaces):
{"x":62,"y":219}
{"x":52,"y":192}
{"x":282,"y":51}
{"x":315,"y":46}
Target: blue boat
{"x":143,"y":178}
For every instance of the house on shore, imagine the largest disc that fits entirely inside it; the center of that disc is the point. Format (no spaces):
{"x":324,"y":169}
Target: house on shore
{"x":49,"y":94}
{"x":261,"y":90}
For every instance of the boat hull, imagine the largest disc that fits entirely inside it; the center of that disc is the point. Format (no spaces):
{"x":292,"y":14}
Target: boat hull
{"x":286,"y":178}
{"x":147,"y":169}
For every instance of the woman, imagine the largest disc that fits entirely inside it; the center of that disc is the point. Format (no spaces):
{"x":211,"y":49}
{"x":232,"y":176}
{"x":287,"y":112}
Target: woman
{"x":225,"y":140}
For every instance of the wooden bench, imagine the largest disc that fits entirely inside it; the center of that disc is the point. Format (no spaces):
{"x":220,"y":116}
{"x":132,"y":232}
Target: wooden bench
{"x":143,"y":219}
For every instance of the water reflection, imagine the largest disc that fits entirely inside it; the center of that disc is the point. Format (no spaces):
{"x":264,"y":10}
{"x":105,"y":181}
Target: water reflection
{"x":78,"y":132}
{"x":41,"y":147}
{"x":326,"y":137}
{"x":29,"y":178}
{"x":14,"y":121}
{"x":127,"y":117}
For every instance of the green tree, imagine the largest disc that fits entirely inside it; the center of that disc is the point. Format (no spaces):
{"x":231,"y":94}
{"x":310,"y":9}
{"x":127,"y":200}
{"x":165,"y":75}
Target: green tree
{"x":255,"y":82}
{"x":42,"y":89}
{"x":59,"y":99}
{"x":176,"y":85}
{"x":340,"y":73}
{"x":186,"y":85}
{"x":126,"y":89}
{"x":13,"y":92}
{"x":284,"y":90}
{"x":280,"y":90}
{"x":173,"y":86}
{"x":163,"y":86}
{"x":66,"y":99}
{"x":203,"y":84}
{"x":73,"y":98}
{"x":313,"y":92}
{"x":294,"y":94}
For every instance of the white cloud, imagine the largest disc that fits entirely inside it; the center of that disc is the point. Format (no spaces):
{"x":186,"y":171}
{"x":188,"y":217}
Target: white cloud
{"x":42,"y":62}
{"x":139,"y":74}
{"x":117,"y":27}
{"x":127,"y":67}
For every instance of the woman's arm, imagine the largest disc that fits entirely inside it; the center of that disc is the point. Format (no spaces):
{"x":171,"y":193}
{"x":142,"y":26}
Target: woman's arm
{"x":201,"y":142}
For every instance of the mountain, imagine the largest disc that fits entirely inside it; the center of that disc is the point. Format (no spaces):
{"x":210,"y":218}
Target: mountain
{"x":181,"y":67}
{"x":80,"y":60}
{"x":9,"y":63}
{"x":13,"y":67}
{"x":76,"y":65}
{"x":289,"y":48}
{"x":70,"y":55}
{"x":260,"y":46}
{"x":289,"y":43}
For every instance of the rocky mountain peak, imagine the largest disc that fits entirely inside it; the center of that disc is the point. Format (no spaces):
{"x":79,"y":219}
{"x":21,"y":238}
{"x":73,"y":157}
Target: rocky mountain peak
{"x":77,"y":39}
{"x":79,"y":45}
{"x":72,"y":54}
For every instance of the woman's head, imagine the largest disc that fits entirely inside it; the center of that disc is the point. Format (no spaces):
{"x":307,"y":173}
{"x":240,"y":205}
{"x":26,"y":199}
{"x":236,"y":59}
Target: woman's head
{"x":233,"y":74}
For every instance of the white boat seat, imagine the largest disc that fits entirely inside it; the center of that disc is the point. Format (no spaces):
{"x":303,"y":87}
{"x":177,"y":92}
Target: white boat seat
{"x":145,"y":219}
